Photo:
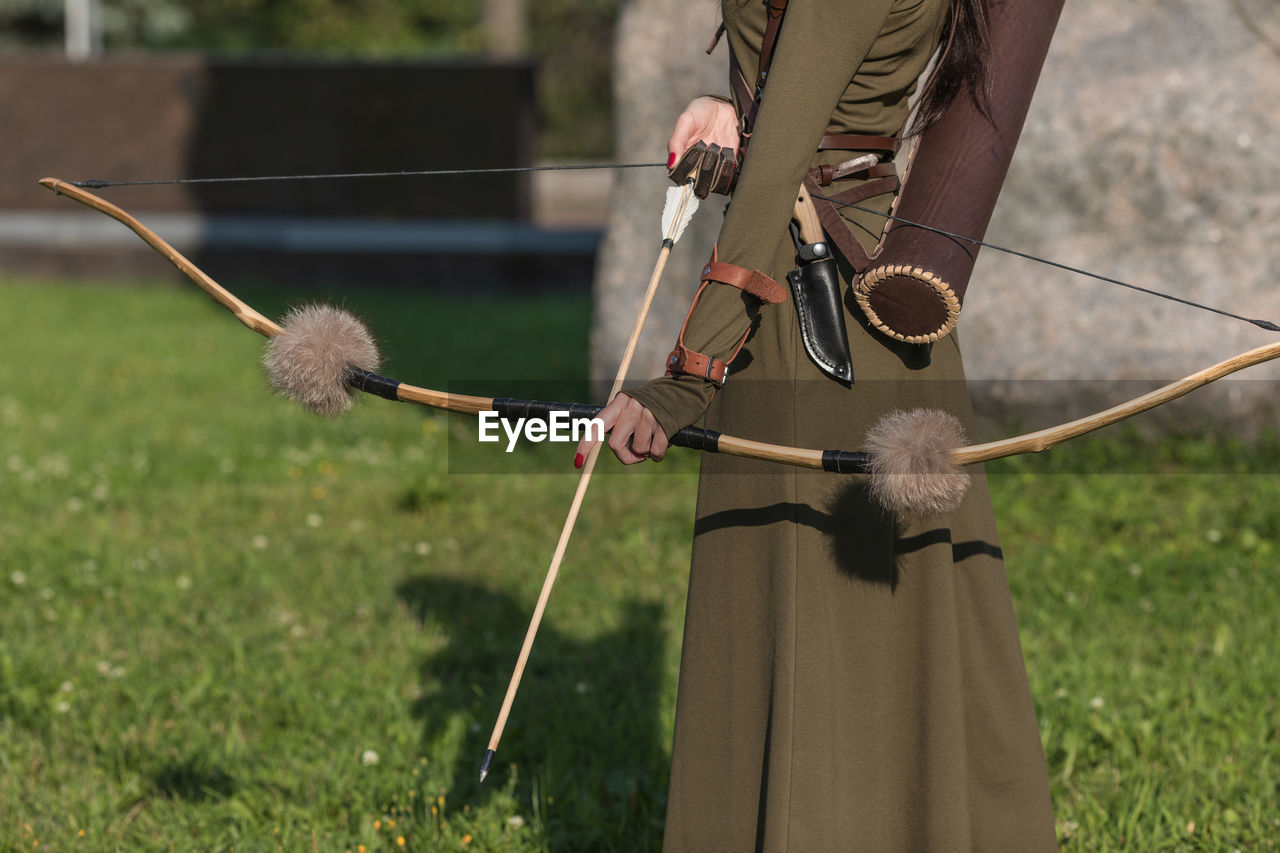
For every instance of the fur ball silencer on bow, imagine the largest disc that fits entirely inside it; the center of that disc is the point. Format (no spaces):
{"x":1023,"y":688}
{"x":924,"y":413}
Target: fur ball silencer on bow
{"x":912,"y":472}
{"x":308,"y":361}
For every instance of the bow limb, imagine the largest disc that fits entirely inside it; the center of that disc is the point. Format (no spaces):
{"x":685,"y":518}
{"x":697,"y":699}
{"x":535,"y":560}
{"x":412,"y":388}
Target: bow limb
{"x":1034,"y":442}
{"x":243,"y":312}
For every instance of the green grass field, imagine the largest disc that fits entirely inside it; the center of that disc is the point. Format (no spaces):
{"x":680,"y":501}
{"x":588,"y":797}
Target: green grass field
{"x":226,"y":624}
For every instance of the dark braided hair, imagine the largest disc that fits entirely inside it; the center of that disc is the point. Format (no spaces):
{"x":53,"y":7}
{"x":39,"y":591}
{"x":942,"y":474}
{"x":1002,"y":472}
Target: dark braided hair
{"x":962,"y":65}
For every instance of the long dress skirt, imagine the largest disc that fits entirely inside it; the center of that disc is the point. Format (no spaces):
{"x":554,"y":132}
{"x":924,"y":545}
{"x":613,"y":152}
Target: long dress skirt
{"x":848,"y":682}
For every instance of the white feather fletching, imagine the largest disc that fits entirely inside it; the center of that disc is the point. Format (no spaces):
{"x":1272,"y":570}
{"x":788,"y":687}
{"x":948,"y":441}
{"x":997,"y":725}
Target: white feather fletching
{"x":678,"y":210}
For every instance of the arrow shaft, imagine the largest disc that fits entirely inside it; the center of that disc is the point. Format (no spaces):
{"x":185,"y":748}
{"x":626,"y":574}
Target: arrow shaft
{"x":553,"y":572}
{"x":588,"y":468}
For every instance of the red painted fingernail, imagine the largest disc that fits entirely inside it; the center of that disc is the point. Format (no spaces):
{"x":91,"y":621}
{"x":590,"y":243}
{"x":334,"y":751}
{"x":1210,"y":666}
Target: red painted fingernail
{"x":671,"y":161}
{"x":578,"y":460}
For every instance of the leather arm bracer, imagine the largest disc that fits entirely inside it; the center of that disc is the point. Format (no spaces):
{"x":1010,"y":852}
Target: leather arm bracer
{"x":715,"y":370}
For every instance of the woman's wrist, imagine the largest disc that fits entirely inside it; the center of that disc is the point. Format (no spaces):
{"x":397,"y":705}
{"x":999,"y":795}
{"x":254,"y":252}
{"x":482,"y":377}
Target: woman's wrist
{"x":674,"y":401}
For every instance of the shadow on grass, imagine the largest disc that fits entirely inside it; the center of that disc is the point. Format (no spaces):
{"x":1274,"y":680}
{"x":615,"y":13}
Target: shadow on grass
{"x":585,"y":739}
{"x":193,"y":781}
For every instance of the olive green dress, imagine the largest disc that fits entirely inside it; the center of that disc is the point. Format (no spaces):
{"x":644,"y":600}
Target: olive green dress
{"x":848,"y":682}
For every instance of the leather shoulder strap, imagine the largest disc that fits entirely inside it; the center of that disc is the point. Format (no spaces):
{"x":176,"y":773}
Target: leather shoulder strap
{"x":749,"y":101}
{"x":771,"y":27}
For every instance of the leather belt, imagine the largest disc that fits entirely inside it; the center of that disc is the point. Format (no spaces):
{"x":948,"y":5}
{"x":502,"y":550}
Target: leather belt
{"x":857,"y":142}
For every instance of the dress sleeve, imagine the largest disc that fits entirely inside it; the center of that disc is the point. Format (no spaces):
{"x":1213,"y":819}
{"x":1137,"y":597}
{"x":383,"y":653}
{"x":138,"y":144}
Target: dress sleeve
{"x":820,"y":46}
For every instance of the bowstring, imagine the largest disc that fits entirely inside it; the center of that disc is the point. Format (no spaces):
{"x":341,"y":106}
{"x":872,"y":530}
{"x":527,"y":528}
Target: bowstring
{"x":104,"y":184}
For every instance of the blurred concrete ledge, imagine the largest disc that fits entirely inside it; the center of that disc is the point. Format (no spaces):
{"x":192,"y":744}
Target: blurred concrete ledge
{"x":442,"y":256}
{"x":192,"y":231}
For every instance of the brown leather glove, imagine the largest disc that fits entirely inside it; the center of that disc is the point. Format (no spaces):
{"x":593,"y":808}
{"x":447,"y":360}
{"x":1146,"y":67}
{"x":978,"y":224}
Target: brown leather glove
{"x":713,"y":169}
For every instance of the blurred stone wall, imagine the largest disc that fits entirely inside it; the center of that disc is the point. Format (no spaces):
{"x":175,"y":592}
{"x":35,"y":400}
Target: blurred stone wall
{"x":184,"y":116}
{"x":661,"y":64}
{"x":1148,"y":156}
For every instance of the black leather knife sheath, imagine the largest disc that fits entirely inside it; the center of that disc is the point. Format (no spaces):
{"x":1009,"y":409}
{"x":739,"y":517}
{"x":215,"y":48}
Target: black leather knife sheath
{"x":815,"y":285}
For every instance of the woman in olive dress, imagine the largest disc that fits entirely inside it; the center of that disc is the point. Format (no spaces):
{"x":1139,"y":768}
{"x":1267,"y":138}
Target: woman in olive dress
{"x":848,"y":682}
